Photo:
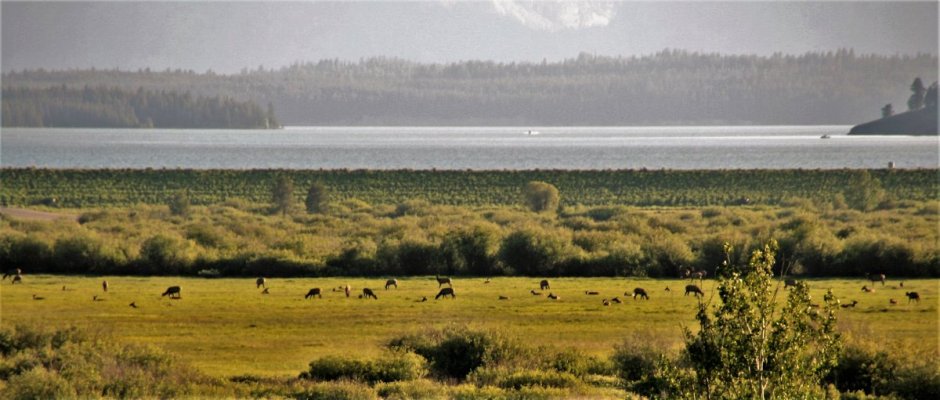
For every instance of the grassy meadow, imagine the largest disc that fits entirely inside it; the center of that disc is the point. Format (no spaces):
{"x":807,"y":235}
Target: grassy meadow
{"x":226,"y":327}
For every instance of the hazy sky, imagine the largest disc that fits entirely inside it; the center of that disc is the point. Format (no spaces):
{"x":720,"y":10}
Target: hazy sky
{"x":227,"y":36}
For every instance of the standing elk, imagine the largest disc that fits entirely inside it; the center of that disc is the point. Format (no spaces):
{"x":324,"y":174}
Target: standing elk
{"x":544,"y":284}
{"x":446,"y":292}
{"x":912,"y":296}
{"x":367,"y":293}
{"x":694,"y":290}
{"x":17,"y":279}
{"x":639,"y":292}
{"x":259,"y":283}
{"x":876,"y":277}
{"x":104,"y":286}
{"x":173,"y":292}
{"x":313,"y":292}
{"x":347,"y":289}
{"x":442,"y":281}
{"x":391,"y":282}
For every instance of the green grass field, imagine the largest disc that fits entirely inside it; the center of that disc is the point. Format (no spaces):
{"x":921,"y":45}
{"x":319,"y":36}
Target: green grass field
{"x":226,"y":327}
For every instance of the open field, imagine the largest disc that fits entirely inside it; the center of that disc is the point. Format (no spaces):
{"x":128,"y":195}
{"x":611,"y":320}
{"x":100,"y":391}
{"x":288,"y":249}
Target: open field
{"x":226,"y":327}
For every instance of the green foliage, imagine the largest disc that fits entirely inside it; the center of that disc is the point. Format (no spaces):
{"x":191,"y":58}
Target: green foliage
{"x":864,"y":192}
{"x":471,"y":251}
{"x":112,"y":107}
{"x":541,"y":196}
{"x":162,"y":254}
{"x":282,"y":195}
{"x":874,"y":370}
{"x":455,"y":352}
{"x":533,"y":252}
{"x":179,"y":203}
{"x":318,"y":196}
{"x":66,"y":363}
{"x":394,"y":366}
{"x":750,"y":349}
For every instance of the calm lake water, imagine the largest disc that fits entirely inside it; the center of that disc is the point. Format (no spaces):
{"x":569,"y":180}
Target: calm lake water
{"x":466,"y":148}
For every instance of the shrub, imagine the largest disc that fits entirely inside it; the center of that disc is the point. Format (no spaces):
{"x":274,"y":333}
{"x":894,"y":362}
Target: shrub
{"x":179,"y":203}
{"x":168,"y":255}
{"x":331,"y":368}
{"x":529,"y":378}
{"x":541,"y":196}
{"x":342,"y":390}
{"x":534,"y":252}
{"x":38,"y":383}
{"x":457,"y":351}
{"x":396,"y":366}
{"x":416,"y":389}
{"x":317,"y":198}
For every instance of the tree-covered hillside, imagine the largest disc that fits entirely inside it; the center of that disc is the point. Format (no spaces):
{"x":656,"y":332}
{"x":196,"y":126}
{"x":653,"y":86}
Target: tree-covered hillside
{"x":670,"y":87}
{"x":111,"y":107}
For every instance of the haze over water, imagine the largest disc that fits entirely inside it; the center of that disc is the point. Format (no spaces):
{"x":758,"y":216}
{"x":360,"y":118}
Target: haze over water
{"x":712,"y":147}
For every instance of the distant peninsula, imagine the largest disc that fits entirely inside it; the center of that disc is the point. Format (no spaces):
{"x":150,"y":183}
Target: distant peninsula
{"x":920,"y":120}
{"x":112,"y":107}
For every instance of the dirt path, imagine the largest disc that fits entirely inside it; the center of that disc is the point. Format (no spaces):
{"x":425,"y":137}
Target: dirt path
{"x":22,"y":213}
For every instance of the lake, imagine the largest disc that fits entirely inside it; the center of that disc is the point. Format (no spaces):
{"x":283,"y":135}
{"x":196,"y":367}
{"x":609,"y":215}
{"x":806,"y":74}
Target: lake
{"x":711,"y":147}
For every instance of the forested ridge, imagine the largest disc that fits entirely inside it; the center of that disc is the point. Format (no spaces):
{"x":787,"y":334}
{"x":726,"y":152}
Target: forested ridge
{"x":113,"y":107}
{"x":669,"y":87}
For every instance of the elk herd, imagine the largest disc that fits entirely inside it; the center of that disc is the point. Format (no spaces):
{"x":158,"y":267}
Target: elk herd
{"x":174,"y":292}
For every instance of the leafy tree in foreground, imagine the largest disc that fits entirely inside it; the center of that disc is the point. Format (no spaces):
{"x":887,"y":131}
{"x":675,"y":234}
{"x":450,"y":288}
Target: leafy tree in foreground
{"x":317,"y":198}
{"x":749,"y":348}
{"x":283,"y":195}
{"x":541,"y":196}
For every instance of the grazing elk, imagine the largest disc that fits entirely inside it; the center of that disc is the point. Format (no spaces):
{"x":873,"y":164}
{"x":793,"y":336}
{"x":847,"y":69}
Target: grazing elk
{"x":543,"y":285}
{"x":367,"y":293}
{"x":605,"y":303}
{"x":554,"y":296}
{"x":867,"y":290}
{"x":442,"y":281}
{"x":789,"y":282}
{"x":591,"y":293}
{"x":850,"y":305}
{"x":876,"y":277}
{"x":11,"y":273}
{"x":104,"y":286}
{"x":616,"y":300}
{"x":501,"y":297}
{"x":391,"y":282}
{"x":17,"y":279}
{"x":446,"y":292}
{"x":259,"y":283}
{"x":893,"y":301}
{"x":313,"y":292}
{"x":694,"y":290}
{"x":173,"y":292}
{"x":912,"y":296}
{"x":265,"y":291}
{"x":486,"y":281}
{"x":640,"y":292}
{"x":133,"y":304}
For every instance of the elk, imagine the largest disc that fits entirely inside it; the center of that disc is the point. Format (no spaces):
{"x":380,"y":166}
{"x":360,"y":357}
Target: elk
{"x":11,"y":273}
{"x":544,"y":284}
{"x":104,"y":286}
{"x":446,"y":292}
{"x":616,"y":300}
{"x":391,"y":282}
{"x":442,"y":281}
{"x":534,"y":293}
{"x":850,"y":305}
{"x":893,"y":301}
{"x":591,"y":293}
{"x":259,"y":283}
{"x":172,"y":291}
{"x":867,"y":290}
{"x":486,"y":281}
{"x":876,"y":277}
{"x":501,"y":297}
{"x":694,"y":290}
{"x":367,"y":293}
{"x":133,"y":304}
{"x":605,"y":303}
{"x":313,"y":292}
{"x":347,"y":289}
{"x":423,"y":299}
{"x":17,"y":279}
{"x":554,"y":296}
{"x":640,"y":292}
{"x":265,"y":291}
{"x":912,"y":296}
{"x":789,"y":282}
{"x":38,"y":297}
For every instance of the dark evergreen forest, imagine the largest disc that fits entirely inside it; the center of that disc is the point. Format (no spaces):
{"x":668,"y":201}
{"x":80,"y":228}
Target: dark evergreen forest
{"x":111,"y":107}
{"x":669,"y":87}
